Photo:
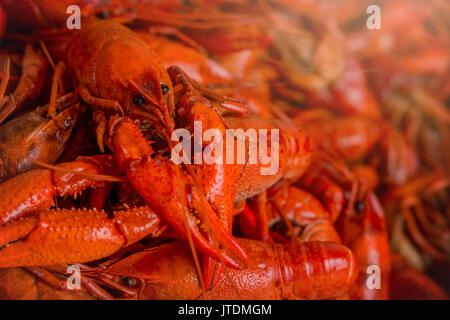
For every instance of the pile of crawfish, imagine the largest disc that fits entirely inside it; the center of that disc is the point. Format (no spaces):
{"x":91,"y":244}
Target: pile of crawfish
{"x":92,"y":205}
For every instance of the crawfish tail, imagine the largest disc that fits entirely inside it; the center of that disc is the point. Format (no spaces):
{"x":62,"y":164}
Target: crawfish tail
{"x":315,"y":270}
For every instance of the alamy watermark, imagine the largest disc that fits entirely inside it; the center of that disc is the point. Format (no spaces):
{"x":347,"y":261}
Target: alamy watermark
{"x":238,"y":147}
{"x":74,"y":280}
{"x":373,"y":281}
{"x":74,"y":19}
{"x":374,"y":20}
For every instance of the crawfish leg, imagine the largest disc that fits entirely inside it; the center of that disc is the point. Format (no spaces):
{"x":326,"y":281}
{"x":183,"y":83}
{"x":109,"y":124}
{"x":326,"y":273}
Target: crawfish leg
{"x":52,"y":237}
{"x":107,"y":104}
{"x":56,"y":80}
{"x":5,"y":79}
{"x":35,"y":189}
{"x":100,"y":119}
{"x":216,"y":180}
{"x":4,"y":111}
{"x":51,"y":280}
{"x":47,"y":277}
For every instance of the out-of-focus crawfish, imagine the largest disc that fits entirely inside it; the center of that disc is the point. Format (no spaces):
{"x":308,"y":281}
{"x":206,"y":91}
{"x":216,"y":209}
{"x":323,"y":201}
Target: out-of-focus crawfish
{"x":196,"y":64}
{"x":217,"y":31}
{"x":46,"y":14}
{"x":408,"y":283}
{"x":349,"y":93}
{"x":2,"y":22}
{"x":348,"y":194}
{"x":359,"y":139}
{"x":340,"y":139}
{"x":286,"y":213}
{"x":420,"y":207}
{"x":31,"y":84}
{"x":407,"y":63}
{"x":350,"y":137}
{"x":414,"y":36}
{"x":216,"y":28}
{"x":423,"y":121}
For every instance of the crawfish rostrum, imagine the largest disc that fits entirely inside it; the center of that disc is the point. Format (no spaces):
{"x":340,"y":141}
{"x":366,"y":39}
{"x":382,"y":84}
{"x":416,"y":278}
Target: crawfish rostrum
{"x":357,"y":208}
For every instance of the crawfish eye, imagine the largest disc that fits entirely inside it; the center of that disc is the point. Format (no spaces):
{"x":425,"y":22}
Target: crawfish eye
{"x":164,"y":88}
{"x":166,"y":154}
{"x":188,"y":3}
{"x":103,"y":15}
{"x":360,"y":206}
{"x":130,"y":282}
{"x":139,"y":100}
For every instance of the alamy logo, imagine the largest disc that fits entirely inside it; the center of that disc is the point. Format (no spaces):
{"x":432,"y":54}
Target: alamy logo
{"x":239,"y":147}
{"x":374,"y":20}
{"x":74,"y":20}
{"x":74,"y":280}
{"x":374,"y":280}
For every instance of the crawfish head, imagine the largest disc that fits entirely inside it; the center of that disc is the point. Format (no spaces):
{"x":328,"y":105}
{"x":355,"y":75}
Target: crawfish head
{"x":32,"y":137}
{"x":120,"y":67}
